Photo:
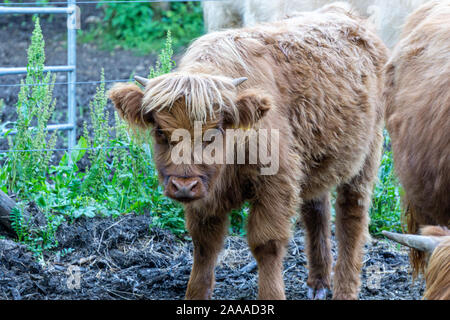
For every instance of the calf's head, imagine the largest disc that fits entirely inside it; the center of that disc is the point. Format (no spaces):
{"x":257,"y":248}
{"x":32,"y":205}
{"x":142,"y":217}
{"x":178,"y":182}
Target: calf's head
{"x":188,"y":115}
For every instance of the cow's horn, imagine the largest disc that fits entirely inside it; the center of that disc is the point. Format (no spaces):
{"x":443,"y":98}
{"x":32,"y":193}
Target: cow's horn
{"x":141,"y":80}
{"x":237,"y":82}
{"x":422,"y":243}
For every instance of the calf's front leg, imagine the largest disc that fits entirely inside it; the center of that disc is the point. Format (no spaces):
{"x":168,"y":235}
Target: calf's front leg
{"x":269,"y":228}
{"x":208,"y":233}
{"x":352,"y":220}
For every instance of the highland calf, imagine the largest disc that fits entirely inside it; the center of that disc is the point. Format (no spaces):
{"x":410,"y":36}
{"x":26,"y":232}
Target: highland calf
{"x":388,"y":16}
{"x":316,"y":79}
{"x":418,"y":118}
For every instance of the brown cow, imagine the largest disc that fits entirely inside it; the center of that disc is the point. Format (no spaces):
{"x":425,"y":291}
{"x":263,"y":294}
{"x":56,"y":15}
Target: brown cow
{"x":435,"y":244}
{"x":418,"y":118}
{"x":316,"y":79}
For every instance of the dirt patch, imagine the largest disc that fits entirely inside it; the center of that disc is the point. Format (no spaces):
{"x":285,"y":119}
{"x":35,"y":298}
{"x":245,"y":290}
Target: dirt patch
{"x":125,"y":259}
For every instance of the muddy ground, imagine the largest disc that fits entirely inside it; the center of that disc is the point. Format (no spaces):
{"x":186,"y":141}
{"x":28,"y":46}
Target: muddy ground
{"x":125,"y":259}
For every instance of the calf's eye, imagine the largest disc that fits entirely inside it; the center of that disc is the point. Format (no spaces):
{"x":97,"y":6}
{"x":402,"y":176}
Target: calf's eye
{"x":160,"y":136}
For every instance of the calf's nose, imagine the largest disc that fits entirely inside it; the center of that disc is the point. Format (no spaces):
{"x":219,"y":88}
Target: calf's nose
{"x":184,"y":189}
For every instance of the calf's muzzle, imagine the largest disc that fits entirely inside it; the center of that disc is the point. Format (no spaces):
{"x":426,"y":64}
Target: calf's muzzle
{"x":185,"y":189}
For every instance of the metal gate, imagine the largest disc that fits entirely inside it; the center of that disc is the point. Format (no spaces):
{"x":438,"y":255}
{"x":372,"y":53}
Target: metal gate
{"x":72,"y":13}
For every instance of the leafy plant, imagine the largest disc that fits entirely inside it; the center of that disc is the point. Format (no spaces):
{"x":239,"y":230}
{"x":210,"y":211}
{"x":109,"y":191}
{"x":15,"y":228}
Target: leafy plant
{"x":24,"y":170}
{"x":238,"y":220}
{"x":96,"y":175}
{"x":64,"y":252}
{"x":386,"y":209}
{"x":165,"y":63}
{"x":17,"y":223}
{"x":143,"y":26}
{"x":37,"y":238}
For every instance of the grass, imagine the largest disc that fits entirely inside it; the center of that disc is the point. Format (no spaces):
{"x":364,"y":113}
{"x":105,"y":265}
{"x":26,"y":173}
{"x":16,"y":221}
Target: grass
{"x":120,"y":176}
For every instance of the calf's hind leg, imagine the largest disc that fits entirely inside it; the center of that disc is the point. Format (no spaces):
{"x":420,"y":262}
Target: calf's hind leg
{"x":316,"y":218}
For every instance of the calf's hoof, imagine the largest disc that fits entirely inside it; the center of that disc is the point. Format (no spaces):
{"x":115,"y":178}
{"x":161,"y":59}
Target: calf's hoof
{"x":317,"y":294}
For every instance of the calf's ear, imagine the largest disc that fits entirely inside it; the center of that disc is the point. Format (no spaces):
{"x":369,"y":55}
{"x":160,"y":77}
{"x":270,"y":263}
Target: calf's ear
{"x":127,"y":99}
{"x":252,"y":105}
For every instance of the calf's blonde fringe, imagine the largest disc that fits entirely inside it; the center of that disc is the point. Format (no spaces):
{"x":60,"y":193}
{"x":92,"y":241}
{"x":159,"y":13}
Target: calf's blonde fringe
{"x":204,"y":94}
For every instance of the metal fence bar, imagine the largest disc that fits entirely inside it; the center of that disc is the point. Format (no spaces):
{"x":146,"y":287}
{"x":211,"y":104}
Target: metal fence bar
{"x":9,"y":71}
{"x":9,"y":85}
{"x":72,"y":76}
{"x":61,"y":127}
{"x":64,"y":149}
{"x":101,"y":2}
{"x":72,"y":15}
{"x":51,"y":127}
{"x":33,"y":10}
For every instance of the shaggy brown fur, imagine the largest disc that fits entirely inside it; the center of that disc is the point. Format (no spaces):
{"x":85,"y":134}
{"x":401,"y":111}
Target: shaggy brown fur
{"x":418,"y":118}
{"x":317,"y":78}
{"x":437,"y":275}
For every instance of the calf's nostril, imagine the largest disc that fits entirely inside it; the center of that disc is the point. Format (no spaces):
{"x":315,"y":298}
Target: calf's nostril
{"x":191,"y":185}
{"x":177,"y":185}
